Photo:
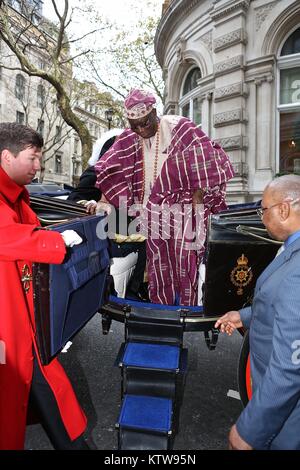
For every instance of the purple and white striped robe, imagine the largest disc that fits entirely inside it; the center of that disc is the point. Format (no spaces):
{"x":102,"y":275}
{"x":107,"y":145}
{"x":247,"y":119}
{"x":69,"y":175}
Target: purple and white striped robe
{"x":193,"y":162}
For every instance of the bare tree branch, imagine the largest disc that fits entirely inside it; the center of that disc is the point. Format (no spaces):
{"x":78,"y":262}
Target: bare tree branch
{"x":72,"y":59}
{"x":25,"y":38}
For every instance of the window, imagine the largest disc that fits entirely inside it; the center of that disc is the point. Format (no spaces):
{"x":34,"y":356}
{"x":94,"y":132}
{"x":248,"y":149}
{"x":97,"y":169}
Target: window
{"x":41,"y":127}
{"x":191,"y":80}
{"x":290,"y":142}
{"x":289,"y":104}
{"x":20,"y":117}
{"x":58,"y":163}
{"x":292,"y":44}
{"x":20,"y":87}
{"x":290,"y":86}
{"x":41,"y":96}
{"x":190,"y":104}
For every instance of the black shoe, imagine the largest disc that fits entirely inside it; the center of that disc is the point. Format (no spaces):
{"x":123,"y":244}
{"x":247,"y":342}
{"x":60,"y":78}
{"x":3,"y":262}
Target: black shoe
{"x":143,"y":292}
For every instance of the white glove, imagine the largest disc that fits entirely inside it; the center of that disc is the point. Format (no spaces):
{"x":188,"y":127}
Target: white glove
{"x":71,"y":238}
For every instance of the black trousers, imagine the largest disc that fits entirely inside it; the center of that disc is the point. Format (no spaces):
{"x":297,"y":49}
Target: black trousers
{"x":137,"y":277}
{"x":43,"y":403}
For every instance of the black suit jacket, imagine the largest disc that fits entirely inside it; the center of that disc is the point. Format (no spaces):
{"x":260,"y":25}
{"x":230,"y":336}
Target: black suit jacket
{"x":86,"y":188}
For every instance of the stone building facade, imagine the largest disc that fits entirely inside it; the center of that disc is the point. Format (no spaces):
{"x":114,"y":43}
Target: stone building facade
{"x":233,"y":66}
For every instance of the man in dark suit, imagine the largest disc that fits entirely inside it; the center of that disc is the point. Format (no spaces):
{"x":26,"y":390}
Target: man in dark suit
{"x":271,"y":420}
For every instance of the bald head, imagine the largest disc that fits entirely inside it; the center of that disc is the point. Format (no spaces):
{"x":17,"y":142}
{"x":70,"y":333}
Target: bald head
{"x":281,"y":206}
{"x":285,"y":188}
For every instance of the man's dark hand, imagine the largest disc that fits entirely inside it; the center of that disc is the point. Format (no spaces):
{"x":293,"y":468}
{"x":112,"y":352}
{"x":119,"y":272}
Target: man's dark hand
{"x":236,"y":442}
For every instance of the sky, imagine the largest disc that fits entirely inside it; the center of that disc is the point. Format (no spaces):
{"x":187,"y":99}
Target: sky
{"x":119,"y":11}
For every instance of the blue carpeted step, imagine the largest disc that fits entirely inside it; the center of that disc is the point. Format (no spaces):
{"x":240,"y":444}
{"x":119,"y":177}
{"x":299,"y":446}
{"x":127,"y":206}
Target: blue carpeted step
{"x":151,"y":414}
{"x":152,"y":356}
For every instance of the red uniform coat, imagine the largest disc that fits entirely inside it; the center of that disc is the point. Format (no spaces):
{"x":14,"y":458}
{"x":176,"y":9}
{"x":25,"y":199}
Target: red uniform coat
{"x":20,"y":245}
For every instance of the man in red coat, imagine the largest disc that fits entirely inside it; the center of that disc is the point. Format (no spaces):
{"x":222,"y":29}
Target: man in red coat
{"x":23,"y":379}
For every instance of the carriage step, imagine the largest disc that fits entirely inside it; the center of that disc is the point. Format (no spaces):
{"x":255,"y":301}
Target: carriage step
{"x":154,"y":326}
{"x":151,"y":356}
{"x":153,"y":366}
{"x":153,"y":369}
{"x":154,"y":332}
{"x":145,"y":422}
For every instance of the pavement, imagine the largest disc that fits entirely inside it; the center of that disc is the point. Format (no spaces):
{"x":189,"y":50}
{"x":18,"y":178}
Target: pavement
{"x":206,"y":414}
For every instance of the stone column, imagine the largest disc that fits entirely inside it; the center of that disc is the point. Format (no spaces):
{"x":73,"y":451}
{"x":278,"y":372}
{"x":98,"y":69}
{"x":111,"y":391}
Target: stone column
{"x":206,"y":110}
{"x":264,"y":117}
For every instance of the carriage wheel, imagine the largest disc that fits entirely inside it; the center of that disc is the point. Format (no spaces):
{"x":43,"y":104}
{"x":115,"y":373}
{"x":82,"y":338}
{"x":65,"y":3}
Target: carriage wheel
{"x":244,"y":377}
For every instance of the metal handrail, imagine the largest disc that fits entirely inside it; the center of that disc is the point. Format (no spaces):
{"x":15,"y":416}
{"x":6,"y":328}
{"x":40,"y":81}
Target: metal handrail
{"x":244,"y":230}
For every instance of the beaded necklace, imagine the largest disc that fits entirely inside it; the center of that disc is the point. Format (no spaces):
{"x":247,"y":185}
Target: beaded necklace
{"x":155,"y":162}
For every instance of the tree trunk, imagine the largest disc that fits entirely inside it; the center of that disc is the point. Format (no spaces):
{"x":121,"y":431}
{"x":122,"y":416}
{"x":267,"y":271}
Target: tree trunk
{"x":73,"y":120}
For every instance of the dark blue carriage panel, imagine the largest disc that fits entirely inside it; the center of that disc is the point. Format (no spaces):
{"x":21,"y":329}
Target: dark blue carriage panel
{"x":75,"y":288}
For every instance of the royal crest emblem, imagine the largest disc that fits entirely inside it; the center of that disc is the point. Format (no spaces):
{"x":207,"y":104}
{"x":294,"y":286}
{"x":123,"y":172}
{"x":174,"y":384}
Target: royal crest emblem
{"x":241,"y":275}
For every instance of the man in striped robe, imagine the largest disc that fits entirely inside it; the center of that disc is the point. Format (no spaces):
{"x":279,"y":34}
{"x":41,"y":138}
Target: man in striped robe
{"x":173,"y":170}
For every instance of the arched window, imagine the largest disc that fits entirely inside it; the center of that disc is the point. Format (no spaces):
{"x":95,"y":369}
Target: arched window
{"x":191,"y":80}
{"x":289,"y":104}
{"x":41,"y":96}
{"x":190,"y":105}
{"x":292,"y":44}
{"x":20,"y":87}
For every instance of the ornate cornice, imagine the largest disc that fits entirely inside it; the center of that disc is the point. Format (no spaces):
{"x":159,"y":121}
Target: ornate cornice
{"x":261,"y":13}
{"x":226,"y":66}
{"x":177,"y":10}
{"x":260,"y":76}
{"x":229,"y":7}
{"x":259,"y":79}
{"x":230,"y":117}
{"x":259,"y":67}
{"x":230,"y":39}
{"x":235,"y":142}
{"x":230,"y":91}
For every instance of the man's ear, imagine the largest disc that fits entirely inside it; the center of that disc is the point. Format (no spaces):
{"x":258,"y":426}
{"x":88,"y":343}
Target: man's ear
{"x":6,"y":157}
{"x":284,"y":210}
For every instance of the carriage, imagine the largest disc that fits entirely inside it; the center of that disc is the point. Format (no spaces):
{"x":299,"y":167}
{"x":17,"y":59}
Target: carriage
{"x":152,"y":358}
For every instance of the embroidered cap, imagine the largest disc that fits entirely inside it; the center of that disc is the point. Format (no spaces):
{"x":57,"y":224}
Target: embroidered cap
{"x":138,"y":104}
